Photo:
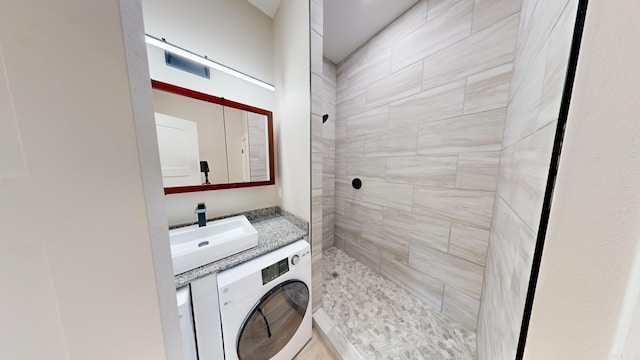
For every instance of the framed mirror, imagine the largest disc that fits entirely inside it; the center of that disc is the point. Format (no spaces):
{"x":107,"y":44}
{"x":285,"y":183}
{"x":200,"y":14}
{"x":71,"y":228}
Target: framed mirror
{"x":209,"y":143}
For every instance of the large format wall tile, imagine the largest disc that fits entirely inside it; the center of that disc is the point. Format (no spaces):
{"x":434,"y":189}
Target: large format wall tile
{"x":486,"y":49}
{"x":447,"y":22}
{"x":431,"y":231}
{"x":399,"y":84}
{"x":523,"y":174}
{"x":368,"y":122}
{"x":368,"y":168}
{"x":461,"y":307}
{"x":469,"y":133}
{"x":478,"y":171}
{"x":449,"y":269}
{"x":489,"y":89}
{"x":396,"y":142}
{"x":388,"y":245}
{"x":487,"y":12}
{"x":422,"y":286}
{"x":420,"y":111}
{"x":364,"y":212}
{"x":465,"y":206}
{"x":396,"y":196}
{"x":423,"y":170}
{"x":438,"y":103}
{"x":399,"y":28}
{"x":536,"y":89}
{"x":469,"y":243}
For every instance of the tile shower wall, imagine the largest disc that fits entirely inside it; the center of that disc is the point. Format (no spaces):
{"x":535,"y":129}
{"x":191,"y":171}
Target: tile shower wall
{"x":317,"y":145}
{"x":420,"y":119}
{"x":544,"y":39}
{"x":328,"y":153}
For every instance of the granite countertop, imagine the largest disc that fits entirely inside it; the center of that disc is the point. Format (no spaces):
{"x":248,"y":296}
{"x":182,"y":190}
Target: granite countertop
{"x":276,"y":228}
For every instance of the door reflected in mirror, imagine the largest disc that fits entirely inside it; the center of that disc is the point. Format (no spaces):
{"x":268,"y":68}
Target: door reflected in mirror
{"x":208,"y":143}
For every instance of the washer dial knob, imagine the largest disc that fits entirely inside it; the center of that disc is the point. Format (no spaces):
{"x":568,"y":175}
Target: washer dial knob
{"x":295,"y":259}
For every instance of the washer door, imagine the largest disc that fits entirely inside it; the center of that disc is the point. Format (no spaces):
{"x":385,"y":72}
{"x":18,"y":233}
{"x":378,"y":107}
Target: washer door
{"x":273,"y":321}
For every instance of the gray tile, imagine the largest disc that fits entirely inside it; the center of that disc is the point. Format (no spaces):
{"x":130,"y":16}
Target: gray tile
{"x":469,"y":133}
{"x":400,"y":84}
{"x":368,"y":122}
{"x":347,"y":229}
{"x":341,"y":168}
{"x":316,"y":205}
{"x":423,"y":170}
{"x":488,"y":12}
{"x":489,"y":89}
{"x":316,"y":171}
{"x":434,"y":104}
{"x":524,"y":107}
{"x":369,"y":168}
{"x":316,"y":94}
{"x":420,"y":285}
{"x":396,"y":142}
{"x":478,"y":171}
{"x":523,"y":174}
{"x":533,"y":38}
{"x":448,"y":21}
{"x":349,"y":104}
{"x":396,"y":196}
{"x":344,"y":190}
{"x":452,"y":270}
{"x":389,"y":247}
{"x":469,"y":243}
{"x":365,"y":213}
{"x":481,"y":51}
{"x":349,"y":148}
{"x":557,"y":63}
{"x":316,"y":53}
{"x":365,"y":252}
{"x":402,"y":26}
{"x":376,"y":66}
{"x":460,"y":307}
{"x":317,"y":14}
{"x":466,"y":206}
{"x":425,"y":229}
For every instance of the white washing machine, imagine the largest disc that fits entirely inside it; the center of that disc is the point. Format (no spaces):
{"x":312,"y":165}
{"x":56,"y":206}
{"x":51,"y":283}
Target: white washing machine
{"x":265,"y":305}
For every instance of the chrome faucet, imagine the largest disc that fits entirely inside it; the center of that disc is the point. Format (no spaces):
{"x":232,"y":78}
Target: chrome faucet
{"x":201,"y":211}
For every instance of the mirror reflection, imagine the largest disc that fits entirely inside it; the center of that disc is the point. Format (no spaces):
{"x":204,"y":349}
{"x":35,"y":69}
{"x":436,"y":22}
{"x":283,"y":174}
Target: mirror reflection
{"x":206,"y":142}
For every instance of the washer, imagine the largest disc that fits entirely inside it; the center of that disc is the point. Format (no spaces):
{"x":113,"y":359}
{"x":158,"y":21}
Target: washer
{"x":265,"y":305}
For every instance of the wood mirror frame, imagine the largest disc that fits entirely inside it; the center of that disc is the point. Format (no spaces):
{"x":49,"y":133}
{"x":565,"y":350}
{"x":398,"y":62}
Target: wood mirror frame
{"x":159,"y":85}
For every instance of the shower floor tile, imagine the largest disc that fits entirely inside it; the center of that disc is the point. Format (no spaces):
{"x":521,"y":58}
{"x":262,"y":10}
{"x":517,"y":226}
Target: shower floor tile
{"x":382,"y":320}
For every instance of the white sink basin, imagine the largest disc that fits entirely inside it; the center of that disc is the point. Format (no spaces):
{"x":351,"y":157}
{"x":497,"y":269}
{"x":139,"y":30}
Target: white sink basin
{"x":195,"y":246}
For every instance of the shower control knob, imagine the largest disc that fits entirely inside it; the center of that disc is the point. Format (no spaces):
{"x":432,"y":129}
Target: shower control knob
{"x":295,"y":259}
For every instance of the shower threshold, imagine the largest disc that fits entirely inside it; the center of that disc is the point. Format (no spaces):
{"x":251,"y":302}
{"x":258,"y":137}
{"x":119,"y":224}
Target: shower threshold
{"x":372,"y":318}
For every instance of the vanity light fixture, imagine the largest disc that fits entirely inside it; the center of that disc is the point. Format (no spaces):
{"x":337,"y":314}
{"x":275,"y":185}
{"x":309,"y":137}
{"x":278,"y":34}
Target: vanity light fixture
{"x":163,"y":44}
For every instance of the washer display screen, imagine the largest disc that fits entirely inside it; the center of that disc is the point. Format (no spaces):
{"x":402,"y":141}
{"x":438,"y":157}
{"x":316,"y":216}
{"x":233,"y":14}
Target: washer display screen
{"x":274,"y":270}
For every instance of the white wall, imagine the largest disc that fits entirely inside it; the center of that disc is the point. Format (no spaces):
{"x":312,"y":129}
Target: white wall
{"x":594,"y":226}
{"x":77,"y":238}
{"x":233,"y":33}
{"x":293,"y":106}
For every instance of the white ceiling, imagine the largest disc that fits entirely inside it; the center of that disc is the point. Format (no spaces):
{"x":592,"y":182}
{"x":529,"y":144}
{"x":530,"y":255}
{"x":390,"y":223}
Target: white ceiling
{"x":348,"y":23}
{"x":268,"y":7}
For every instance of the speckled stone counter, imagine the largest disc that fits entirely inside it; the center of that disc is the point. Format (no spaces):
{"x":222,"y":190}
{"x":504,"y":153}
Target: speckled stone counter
{"x":276,"y":228}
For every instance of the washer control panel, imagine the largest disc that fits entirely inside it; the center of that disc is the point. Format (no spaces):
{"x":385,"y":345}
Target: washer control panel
{"x":275,"y":270}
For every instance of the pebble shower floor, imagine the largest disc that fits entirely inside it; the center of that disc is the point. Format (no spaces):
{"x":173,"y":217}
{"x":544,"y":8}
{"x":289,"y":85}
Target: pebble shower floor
{"x":382,"y":320}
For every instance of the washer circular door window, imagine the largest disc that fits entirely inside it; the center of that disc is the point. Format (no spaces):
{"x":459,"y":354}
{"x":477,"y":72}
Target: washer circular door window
{"x":273,"y":321}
